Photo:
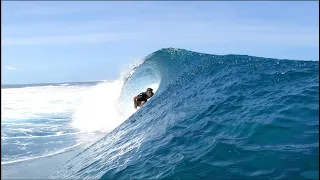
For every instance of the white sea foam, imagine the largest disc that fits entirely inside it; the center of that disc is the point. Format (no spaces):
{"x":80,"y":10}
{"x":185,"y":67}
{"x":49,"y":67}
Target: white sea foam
{"x":39,"y":101}
{"x":48,"y":154}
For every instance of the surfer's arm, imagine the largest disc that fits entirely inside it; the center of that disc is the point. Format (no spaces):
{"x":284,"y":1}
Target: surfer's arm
{"x":135,"y":101}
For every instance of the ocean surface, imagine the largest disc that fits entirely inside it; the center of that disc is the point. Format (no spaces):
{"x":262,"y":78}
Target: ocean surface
{"x":212,"y":117}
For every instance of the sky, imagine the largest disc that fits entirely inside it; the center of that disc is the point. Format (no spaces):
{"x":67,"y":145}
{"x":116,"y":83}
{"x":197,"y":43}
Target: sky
{"x":48,"y":41}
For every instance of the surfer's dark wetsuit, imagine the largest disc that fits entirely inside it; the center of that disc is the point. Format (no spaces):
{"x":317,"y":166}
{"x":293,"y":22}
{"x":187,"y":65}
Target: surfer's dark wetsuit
{"x":142,"y":97}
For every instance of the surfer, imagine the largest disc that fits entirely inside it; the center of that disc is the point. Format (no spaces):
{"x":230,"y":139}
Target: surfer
{"x":142,"y":98}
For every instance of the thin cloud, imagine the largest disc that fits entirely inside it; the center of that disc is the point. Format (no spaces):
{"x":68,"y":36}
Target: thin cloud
{"x":51,"y":8}
{"x":69,"y":39}
{"x":10,"y":68}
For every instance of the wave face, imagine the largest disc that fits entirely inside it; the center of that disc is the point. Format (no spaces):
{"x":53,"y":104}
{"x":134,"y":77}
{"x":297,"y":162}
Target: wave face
{"x":212,"y":117}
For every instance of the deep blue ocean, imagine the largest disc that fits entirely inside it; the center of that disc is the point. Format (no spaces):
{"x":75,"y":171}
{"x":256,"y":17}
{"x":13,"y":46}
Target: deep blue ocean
{"x":212,"y":117}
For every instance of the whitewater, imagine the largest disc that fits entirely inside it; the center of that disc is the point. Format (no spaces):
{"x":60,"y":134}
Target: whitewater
{"x":212,"y":117}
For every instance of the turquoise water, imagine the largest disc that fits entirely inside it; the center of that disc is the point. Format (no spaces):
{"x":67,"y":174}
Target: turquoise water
{"x":212,"y":117}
